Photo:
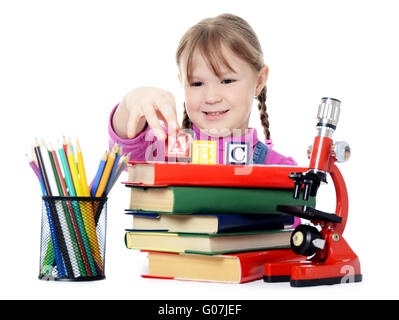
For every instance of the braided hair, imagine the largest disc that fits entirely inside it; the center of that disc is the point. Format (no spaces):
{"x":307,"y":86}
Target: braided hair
{"x":264,"y":117}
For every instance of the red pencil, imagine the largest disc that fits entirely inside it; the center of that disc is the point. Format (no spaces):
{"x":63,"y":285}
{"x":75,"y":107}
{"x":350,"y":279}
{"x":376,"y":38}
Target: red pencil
{"x":59,"y":174}
{"x":65,"y":145}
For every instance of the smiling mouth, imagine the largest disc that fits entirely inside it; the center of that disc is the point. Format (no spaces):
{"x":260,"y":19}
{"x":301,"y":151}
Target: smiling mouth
{"x":215,"y":113}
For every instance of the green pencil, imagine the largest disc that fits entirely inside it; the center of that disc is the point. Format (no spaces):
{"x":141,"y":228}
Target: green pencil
{"x":75,"y":204}
{"x":76,"y":259}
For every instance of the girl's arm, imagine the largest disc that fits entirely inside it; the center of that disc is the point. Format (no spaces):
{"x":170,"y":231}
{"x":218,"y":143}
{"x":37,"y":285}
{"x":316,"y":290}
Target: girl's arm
{"x":135,"y":146}
{"x":135,"y":122}
{"x":145,"y":105}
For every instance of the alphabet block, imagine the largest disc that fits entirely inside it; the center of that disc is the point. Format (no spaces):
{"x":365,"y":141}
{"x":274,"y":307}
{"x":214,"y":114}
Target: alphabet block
{"x":236,"y":153}
{"x":179,"y":146}
{"x":204,"y":152}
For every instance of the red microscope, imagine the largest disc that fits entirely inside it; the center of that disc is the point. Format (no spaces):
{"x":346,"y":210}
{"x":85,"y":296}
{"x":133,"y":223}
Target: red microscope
{"x":326,"y":257}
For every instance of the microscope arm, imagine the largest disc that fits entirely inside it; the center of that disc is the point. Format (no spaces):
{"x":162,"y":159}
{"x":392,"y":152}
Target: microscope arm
{"x":341,"y":194}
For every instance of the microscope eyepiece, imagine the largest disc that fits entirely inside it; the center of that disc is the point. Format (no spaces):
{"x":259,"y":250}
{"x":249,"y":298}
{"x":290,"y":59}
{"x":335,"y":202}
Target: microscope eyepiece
{"x":328,"y":116}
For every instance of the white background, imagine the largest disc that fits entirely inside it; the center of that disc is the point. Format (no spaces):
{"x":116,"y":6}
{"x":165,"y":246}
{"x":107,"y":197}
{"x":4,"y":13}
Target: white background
{"x":65,"y":64}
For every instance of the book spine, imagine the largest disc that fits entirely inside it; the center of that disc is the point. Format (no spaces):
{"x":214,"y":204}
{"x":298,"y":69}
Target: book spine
{"x":166,"y":174}
{"x":253,"y":222}
{"x":233,"y":200}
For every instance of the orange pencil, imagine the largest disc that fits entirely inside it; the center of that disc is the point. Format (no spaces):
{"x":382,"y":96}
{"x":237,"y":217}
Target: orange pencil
{"x":107,"y":171}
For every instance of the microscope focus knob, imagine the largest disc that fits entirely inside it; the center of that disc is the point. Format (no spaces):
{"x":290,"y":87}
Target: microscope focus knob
{"x":341,"y":151}
{"x":306,"y":240}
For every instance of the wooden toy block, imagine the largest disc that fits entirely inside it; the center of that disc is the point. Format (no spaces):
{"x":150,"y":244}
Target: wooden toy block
{"x":236,"y":153}
{"x":204,"y":152}
{"x":179,"y":146}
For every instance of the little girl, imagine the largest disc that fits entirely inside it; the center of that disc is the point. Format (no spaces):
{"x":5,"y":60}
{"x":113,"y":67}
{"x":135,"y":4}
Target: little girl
{"x":221,"y":70}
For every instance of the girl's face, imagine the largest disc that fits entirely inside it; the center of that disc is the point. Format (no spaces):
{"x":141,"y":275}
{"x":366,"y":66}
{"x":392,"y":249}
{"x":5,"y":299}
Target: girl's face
{"x":217,"y":106}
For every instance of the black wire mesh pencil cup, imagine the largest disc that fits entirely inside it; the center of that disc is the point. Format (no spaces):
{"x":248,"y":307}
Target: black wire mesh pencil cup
{"x":73,"y":238}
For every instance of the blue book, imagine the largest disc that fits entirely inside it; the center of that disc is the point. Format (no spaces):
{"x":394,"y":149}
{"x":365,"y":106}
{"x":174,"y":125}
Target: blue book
{"x":208,"y":223}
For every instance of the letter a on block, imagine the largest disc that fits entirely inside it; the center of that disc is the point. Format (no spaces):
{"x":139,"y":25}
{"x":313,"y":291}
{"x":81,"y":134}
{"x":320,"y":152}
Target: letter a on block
{"x":204,"y":152}
{"x":179,"y":146}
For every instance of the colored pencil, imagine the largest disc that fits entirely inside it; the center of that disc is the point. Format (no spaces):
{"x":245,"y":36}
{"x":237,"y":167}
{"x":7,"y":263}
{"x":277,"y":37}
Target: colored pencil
{"x":65,"y":145}
{"x":103,"y":181}
{"x":55,"y":229}
{"x":73,"y":247}
{"x":82,"y":171}
{"x":99,"y":173}
{"x":47,"y":165}
{"x":106,"y":173}
{"x":114,"y":168}
{"x":74,"y":186}
{"x":34,"y":167}
{"x":49,"y":256}
{"x":86,"y":254}
{"x":74,"y":171}
{"x":64,"y":190}
{"x":34,"y":156}
{"x":67,"y":173}
{"x":122,"y":165}
{"x":70,"y":217}
{"x":64,"y":219}
{"x":89,"y":216}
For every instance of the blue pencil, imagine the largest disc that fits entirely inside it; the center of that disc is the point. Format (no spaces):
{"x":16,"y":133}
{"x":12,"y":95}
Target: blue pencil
{"x":99,"y":173}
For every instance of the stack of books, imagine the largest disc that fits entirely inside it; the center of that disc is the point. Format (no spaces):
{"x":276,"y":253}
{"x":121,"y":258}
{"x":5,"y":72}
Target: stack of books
{"x":210,"y":222}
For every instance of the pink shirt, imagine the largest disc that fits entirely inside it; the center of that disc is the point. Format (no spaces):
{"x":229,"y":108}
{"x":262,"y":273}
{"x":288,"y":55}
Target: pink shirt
{"x":146,"y":143}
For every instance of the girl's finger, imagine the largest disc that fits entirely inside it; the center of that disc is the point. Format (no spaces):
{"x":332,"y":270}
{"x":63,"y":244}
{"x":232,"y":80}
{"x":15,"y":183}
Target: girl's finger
{"x":154,"y":123}
{"x":169,"y":117}
{"x":166,"y":110}
{"x":135,"y":124}
{"x":132,"y":124}
{"x":171,"y":99}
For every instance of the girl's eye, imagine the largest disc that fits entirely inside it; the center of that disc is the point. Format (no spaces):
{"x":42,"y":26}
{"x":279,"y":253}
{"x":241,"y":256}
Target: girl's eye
{"x":228,"y":81}
{"x":196,"y":84}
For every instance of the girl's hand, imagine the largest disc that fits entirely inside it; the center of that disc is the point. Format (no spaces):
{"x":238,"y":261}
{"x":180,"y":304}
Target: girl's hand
{"x":145,"y":104}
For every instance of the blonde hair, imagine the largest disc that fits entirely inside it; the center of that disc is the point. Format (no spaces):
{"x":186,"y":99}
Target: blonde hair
{"x":208,"y":36}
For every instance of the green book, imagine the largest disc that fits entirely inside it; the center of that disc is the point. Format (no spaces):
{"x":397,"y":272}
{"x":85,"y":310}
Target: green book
{"x":209,"y":244}
{"x":187,"y":200}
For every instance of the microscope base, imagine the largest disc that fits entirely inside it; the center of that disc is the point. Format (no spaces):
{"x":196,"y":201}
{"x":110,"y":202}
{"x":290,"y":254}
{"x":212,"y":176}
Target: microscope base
{"x":341,"y":266}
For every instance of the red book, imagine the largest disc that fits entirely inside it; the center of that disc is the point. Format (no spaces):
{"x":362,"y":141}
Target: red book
{"x":230,"y":268}
{"x":215,"y":175}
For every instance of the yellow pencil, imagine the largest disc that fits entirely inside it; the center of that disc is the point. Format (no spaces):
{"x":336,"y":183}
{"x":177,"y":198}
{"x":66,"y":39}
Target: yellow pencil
{"x":74,"y":171}
{"x":82,"y":171}
{"x":87,"y":209}
{"x":107,"y":172}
